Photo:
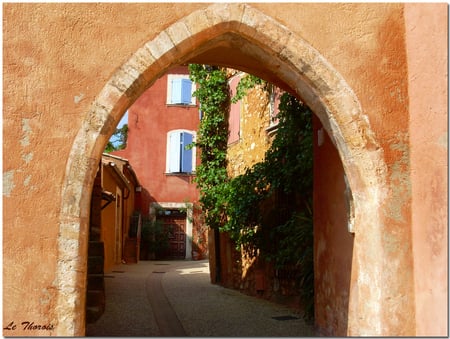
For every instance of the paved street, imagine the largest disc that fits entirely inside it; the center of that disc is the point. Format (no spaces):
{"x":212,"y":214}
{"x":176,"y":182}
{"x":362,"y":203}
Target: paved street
{"x":175,"y":298}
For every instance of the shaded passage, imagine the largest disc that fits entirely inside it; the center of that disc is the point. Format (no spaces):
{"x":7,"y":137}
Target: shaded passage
{"x":127,"y":310}
{"x":165,"y":317}
{"x":181,"y":301}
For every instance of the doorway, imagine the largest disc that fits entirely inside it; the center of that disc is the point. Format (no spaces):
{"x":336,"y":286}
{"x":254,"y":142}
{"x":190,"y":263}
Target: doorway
{"x":174,"y":225}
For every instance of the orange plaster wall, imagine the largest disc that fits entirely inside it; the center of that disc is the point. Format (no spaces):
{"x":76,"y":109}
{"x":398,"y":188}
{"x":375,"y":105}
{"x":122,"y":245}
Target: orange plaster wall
{"x":57,"y":57}
{"x":427,"y":48}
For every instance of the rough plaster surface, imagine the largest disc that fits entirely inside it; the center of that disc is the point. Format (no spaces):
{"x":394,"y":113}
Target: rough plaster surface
{"x":429,"y":164}
{"x":71,"y":70}
{"x":254,"y":119}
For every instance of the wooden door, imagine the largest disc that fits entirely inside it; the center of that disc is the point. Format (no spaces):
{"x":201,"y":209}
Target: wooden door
{"x":175,"y":226}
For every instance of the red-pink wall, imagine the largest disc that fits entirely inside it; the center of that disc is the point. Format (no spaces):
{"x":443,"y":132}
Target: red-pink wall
{"x":149,"y":120}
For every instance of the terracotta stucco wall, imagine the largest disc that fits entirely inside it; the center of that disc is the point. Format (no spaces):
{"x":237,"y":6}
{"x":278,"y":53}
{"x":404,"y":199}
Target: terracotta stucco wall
{"x":58,"y":57}
{"x":427,"y":50}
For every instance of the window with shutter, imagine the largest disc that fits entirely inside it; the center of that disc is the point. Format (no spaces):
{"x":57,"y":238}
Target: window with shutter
{"x":186,"y":154}
{"x":181,"y":91}
{"x":179,"y":158}
{"x":173,"y":154}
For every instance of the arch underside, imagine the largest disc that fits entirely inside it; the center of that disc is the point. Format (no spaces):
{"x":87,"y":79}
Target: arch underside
{"x":237,"y":36}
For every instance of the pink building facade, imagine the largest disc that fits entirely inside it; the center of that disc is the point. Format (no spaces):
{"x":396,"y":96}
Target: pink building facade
{"x":162,"y":122}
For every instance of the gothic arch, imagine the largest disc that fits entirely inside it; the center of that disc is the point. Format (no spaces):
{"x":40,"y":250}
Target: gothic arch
{"x":296,"y":63}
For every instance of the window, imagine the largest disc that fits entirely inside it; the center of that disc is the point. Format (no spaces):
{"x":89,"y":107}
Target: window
{"x":179,"y":90}
{"x":180,"y":159}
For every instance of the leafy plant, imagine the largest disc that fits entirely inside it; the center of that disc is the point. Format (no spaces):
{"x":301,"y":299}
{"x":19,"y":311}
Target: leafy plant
{"x":246,"y":83}
{"x":211,"y":175}
{"x":295,"y":246}
{"x":286,"y":171}
{"x":154,"y":236}
{"x":267,"y":210}
{"x":118,"y":140}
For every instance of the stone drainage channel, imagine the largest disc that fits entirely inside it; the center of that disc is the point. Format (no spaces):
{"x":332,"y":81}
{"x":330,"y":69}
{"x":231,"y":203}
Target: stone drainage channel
{"x":176,"y":298}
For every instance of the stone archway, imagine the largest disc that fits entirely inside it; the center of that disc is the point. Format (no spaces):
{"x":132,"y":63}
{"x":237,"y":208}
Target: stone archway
{"x":301,"y":68}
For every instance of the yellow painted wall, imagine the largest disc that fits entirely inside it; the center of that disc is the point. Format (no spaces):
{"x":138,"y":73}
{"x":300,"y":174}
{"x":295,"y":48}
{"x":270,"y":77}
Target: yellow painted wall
{"x":109,"y":221}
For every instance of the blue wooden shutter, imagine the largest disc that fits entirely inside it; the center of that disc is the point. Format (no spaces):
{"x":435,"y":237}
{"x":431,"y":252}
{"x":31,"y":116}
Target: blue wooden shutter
{"x":181,"y":91}
{"x":174,"y":152}
{"x":186,"y":90}
{"x":186,"y":154}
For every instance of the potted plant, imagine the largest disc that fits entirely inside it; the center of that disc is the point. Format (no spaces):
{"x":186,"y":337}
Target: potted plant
{"x":155,"y":239}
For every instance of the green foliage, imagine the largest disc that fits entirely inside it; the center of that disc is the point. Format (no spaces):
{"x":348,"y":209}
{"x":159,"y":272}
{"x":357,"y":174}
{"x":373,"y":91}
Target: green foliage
{"x":154,"y":235}
{"x":295,"y":245}
{"x":267,"y":209}
{"x":290,"y":157}
{"x":286,"y":236}
{"x":212,"y":137}
{"x":270,"y":206}
{"x":247,"y":82}
{"x":286,"y":172}
{"x":118,"y":140}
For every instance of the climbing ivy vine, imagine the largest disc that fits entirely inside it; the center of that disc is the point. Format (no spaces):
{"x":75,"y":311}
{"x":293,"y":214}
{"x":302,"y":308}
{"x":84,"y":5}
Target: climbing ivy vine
{"x":246,"y":83}
{"x":211,"y":175}
{"x":284,"y":178}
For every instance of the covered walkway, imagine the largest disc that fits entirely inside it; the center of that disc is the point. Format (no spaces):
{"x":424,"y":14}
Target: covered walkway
{"x":175,"y":298}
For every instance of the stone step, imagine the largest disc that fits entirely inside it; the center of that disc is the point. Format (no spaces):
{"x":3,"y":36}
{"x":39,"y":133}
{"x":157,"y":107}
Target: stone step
{"x":95,"y":298}
{"x":95,"y":282}
{"x":93,"y":313}
{"x":96,"y":249}
{"x":95,"y":264}
{"x":95,"y":292}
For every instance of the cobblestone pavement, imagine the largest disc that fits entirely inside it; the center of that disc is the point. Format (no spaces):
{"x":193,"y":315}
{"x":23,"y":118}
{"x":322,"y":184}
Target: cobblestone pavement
{"x":176,"y":298}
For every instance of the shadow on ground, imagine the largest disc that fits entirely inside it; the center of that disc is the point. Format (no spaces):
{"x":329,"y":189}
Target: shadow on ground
{"x":202,"y":309}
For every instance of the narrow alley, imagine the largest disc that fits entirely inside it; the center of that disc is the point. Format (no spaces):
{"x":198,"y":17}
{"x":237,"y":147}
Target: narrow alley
{"x":176,"y":298}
